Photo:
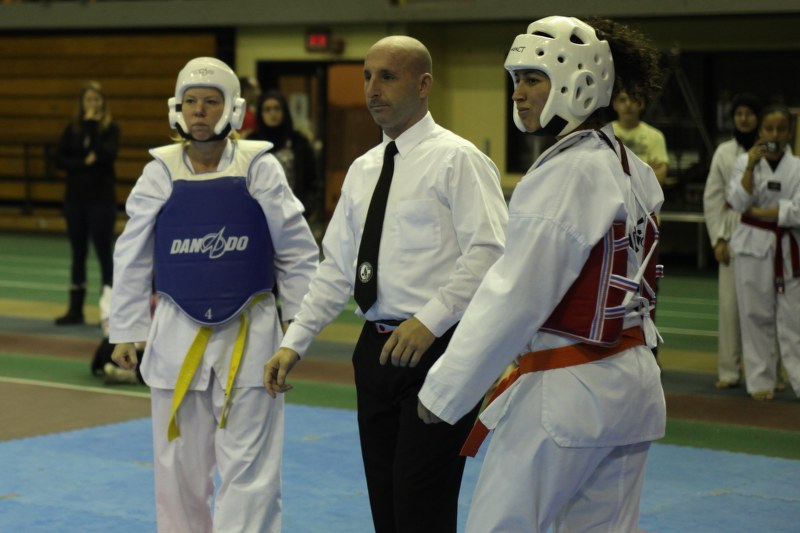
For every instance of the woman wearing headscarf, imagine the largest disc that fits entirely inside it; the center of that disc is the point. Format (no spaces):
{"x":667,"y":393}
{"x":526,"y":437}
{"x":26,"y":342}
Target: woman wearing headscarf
{"x":721,"y":221}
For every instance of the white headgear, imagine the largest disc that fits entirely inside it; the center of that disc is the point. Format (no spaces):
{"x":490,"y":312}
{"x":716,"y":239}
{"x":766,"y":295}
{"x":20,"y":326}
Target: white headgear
{"x":209,"y":72}
{"x":578,"y":64}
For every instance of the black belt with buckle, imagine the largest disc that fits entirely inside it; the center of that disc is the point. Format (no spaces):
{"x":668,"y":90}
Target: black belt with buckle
{"x":386,"y":326}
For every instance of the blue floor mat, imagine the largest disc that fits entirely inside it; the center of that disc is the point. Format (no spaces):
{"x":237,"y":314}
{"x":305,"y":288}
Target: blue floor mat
{"x":101,"y":479}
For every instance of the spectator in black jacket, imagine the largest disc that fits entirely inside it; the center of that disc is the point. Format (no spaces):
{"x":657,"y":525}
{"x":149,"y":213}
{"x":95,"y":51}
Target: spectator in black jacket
{"x":86,"y":152}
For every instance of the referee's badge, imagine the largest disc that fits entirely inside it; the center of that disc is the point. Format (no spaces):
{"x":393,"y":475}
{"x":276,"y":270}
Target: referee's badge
{"x":365,"y":272}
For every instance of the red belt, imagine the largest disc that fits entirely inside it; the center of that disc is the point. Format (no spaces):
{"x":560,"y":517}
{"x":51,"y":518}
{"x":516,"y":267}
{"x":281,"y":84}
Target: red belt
{"x":572,"y":355}
{"x":794,"y":250}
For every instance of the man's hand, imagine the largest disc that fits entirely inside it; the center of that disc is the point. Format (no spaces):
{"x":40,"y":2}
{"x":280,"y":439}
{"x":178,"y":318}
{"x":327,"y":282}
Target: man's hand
{"x":276,"y":370}
{"x":407,"y":343}
{"x":124,"y":355}
{"x":425,"y":415}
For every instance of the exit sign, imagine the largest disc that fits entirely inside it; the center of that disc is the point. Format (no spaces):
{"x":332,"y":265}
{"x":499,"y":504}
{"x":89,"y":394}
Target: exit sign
{"x":318,"y":41}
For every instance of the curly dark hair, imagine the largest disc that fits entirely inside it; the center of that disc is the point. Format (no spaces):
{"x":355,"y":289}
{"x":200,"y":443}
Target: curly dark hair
{"x":637,"y":62}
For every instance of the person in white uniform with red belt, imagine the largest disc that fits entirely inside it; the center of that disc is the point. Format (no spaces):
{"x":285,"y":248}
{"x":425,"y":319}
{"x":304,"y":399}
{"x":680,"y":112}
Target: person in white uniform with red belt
{"x":765,"y":188}
{"x":573,"y":292}
{"x":215,"y":226}
{"x":720,"y":221}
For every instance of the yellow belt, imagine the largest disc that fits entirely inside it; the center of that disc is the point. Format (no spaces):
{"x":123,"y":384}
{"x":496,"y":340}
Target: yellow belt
{"x":192,"y":361}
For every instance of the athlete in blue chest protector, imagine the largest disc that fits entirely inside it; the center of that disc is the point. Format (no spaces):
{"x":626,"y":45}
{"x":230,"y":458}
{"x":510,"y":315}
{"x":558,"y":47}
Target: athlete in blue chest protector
{"x":213,"y":227}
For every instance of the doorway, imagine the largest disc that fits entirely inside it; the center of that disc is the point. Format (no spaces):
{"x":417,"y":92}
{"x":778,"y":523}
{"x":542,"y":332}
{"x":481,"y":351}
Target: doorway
{"x":326,"y":101}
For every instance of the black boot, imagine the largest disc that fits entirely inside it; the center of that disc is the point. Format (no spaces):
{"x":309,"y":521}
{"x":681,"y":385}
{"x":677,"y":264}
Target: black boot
{"x":75,"y":313}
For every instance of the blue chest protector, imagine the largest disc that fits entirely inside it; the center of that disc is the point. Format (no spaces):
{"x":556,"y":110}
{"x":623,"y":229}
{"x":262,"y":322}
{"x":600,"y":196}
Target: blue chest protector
{"x":213,"y":251}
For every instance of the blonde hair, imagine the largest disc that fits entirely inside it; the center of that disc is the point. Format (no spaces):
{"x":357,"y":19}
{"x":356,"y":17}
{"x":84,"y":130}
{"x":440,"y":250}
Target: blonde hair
{"x":105,"y":119}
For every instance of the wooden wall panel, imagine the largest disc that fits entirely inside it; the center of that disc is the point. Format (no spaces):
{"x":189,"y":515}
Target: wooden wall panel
{"x":145,"y":86}
{"x":141,"y":107}
{"x":117,"y":45}
{"x":89,"y":67}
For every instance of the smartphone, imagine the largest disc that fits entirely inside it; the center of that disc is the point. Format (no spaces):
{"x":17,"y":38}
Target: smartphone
{"x":771,"y":146}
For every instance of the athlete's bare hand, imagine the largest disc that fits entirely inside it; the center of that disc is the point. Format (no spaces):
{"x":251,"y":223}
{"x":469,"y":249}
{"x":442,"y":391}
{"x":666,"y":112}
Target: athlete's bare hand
{"x":766,"y":213}
{"x":277,"y":369}
{"x":407,"y":344}
{"x":722,"y":253}
{"x":124,"y":355}
{"x":756,"y":152}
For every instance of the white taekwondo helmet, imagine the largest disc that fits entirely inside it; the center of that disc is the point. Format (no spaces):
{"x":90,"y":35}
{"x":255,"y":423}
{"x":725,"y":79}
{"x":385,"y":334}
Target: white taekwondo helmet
{"x":209,"y":72}
{"x":579,"y":65}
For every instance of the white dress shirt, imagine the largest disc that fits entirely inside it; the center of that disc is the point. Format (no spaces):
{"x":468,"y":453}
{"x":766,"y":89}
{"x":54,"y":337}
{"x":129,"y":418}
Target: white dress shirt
{"x":170,"y":332}
{"x":444,"y":227}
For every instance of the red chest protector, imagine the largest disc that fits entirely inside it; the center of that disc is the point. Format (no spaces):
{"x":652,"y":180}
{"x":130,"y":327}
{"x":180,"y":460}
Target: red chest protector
{"x":593,"y":309}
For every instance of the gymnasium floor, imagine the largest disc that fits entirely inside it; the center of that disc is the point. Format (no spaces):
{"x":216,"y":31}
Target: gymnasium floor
{"x":76,"y":454}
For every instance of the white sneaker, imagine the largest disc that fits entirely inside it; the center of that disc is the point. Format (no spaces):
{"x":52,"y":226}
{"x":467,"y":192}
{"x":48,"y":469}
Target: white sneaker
{"x":104,"y":306}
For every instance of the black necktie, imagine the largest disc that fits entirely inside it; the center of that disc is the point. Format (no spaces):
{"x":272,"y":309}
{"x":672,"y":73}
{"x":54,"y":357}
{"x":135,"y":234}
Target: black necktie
{"x":366,"y":288}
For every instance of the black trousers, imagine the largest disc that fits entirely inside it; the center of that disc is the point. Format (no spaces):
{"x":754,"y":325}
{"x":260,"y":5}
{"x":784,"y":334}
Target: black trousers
{"x":413,"y":469}
{"x":95,"y":221}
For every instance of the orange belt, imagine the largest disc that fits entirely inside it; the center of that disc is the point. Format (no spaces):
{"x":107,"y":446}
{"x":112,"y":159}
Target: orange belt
{"x":572,"y":355}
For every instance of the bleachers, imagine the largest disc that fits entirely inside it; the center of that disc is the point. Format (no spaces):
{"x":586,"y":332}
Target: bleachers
{"x":42,"y":76}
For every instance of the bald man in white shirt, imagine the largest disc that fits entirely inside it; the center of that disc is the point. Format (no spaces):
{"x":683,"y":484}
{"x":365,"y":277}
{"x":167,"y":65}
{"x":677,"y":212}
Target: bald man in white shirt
{"x":443,"y":227}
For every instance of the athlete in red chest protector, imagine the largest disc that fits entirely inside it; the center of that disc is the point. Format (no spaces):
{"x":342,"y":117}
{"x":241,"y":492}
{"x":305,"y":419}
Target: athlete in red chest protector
{"x":573,"y":293}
